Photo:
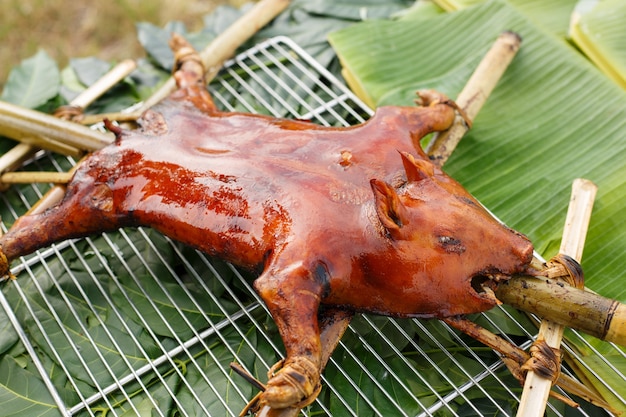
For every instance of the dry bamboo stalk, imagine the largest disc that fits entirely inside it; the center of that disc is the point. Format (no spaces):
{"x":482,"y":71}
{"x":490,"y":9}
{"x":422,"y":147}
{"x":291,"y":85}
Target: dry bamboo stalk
{"x":475,"y":93}
{"x":24,"y":126}
{"x":470,"y":101}
{"x":536,"y":388}
{"x":21,"y":124}
{"x":15,"y":157}
{"x":22,"y":151}
{"x":225,"y":45}
{"x":51,"y":198}
{"x":27,"y":177}
{"x":104,"y":84}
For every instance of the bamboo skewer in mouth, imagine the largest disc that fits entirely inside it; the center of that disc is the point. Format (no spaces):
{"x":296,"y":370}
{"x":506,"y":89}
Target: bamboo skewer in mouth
{"x":564,"y":304}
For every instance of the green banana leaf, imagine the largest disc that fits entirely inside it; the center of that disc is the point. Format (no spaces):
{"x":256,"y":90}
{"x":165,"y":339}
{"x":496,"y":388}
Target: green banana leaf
{"x":595,"y":26}
{"x":600,"y":32}
{"x":552,"y":118}
{"x":550,"y":15}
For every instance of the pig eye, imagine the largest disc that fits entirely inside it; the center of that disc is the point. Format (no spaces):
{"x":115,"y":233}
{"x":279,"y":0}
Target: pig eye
{"x":451,"y":245}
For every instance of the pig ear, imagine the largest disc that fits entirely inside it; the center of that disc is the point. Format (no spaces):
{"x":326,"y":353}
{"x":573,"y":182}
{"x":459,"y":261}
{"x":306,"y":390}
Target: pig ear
{"x":416,"y":169}
{"x":390,"y":210}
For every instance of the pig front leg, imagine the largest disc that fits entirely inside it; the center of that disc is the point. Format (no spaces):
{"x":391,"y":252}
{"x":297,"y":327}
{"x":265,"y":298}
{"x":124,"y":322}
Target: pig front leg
{"x":293,"y":295}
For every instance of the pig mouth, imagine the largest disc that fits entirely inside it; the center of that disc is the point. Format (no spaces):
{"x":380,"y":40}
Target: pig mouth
{"x":485,"y":281}
{"x":485,"y":284}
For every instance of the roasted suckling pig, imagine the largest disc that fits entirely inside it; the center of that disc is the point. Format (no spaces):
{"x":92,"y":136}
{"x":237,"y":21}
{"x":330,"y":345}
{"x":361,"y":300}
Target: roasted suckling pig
{"x":354,"y":218}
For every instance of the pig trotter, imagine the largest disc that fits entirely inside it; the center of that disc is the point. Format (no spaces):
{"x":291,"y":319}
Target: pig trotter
{"x":296,"y":384}
{"x":427,"y":98}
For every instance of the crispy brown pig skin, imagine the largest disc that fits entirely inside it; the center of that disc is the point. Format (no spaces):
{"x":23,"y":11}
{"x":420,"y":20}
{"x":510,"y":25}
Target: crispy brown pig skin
{"x":356,"y":217}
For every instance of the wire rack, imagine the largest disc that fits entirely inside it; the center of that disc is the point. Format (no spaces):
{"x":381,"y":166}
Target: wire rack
{"x":132,"y":323}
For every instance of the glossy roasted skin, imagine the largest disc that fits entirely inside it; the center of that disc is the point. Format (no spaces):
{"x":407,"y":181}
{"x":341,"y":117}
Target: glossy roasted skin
{"x":355,"y":218}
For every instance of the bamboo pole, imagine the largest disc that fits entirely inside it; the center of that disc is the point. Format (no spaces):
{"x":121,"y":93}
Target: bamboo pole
{"x":470,"y":101}
{"x":474,"y":95}
{"x":537,"y":388}
{"x":224,"y":46}
{"x":27,"y":177}
{"x":569,"y":306}
{"x":35,"y":128}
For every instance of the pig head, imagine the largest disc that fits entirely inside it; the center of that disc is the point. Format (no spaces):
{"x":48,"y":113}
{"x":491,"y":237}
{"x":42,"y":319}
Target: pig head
{"x":438,"y":252}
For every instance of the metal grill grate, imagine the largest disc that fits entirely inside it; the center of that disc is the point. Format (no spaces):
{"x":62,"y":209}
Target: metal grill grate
{"x":131,"y":323}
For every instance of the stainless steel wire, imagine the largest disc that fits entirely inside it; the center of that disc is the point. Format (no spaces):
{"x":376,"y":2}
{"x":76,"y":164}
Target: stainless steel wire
{"x":132,"y":323}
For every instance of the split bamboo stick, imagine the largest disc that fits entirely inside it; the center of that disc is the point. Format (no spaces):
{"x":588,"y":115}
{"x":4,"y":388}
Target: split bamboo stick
{"x":104,"y":84}
{"x":14,"y":158}
{"x":120,"y":117}
{"x":31,"y":142}
{"x":537,"y":388}
{"x":53,"y":196}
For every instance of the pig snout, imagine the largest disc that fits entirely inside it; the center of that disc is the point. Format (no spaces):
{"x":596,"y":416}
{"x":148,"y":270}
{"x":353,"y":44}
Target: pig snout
{"x":509,"y":253}
{"x":517,"y":253}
